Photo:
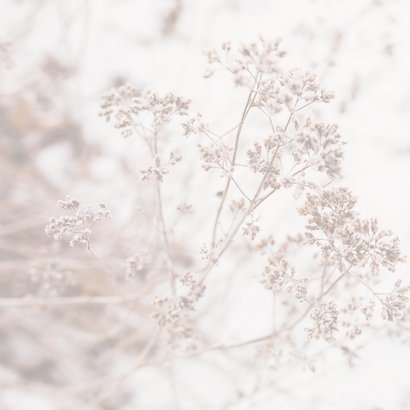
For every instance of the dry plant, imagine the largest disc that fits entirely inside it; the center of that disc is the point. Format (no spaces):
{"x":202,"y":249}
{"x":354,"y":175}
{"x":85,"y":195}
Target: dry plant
{"x":330,"y":280}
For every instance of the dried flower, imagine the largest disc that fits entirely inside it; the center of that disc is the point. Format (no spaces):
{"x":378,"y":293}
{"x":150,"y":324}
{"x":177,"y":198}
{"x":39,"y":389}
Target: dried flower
{"x":194,"y":126}
{"x":325,"y":321}
{"x":320,"y":146}
{"x":76,"y":222}
{"x":136,"y":264}
{"x":126,"y":105}
{"x":395,"y":304}
{"x":279,"y":276}
{"x":347,"y":238}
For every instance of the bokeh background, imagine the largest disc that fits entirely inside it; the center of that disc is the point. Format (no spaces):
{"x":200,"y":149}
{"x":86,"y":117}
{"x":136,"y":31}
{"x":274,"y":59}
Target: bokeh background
{"x":56,"y":59}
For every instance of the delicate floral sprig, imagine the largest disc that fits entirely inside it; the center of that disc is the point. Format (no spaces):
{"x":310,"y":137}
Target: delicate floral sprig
{"x":76,"y":223}
{"x":127,"y":105}
{"x":279,"y":276}
{"x":395,"y":304}
{"x":343,"y":253}
{"x":174,"y":313}
{"x":335,"y":227}
{"x":325,"y":319}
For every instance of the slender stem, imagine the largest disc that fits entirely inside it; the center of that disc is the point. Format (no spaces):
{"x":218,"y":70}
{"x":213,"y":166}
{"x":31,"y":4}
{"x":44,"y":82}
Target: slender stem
{"x":339,"y":278}
{"x":248,"y":105}
{"x":158,"y":191}
{"x":76,"y":300}
{"x":161,"y":217}
{"x":240,"y":189}
{"x":254,"y":203}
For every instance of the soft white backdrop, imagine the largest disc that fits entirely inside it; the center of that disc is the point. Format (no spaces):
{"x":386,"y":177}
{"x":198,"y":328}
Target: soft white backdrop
{"x":358,"y":48}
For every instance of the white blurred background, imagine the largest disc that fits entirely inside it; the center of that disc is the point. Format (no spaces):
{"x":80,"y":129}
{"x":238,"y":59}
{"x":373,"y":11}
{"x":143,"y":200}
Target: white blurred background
{"x":65,"y":54}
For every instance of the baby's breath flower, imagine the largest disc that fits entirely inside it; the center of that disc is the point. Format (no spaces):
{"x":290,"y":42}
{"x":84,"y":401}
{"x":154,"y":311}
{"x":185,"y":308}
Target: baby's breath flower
{"x":184,"y":208}
{"x":325,"y":321}
{"x":247,"y":60}
{"x":279,"y":276}
{"x":76,"y":223}
{"x":251,"y":230}
{"x":320,"y":146}
{"x":136,"y":264}
{"x":194,"y":126}
{"x":216,"y":155}
{"x":336,"y":228}
{"x":126,"y":105}
{"x":395,"y":305}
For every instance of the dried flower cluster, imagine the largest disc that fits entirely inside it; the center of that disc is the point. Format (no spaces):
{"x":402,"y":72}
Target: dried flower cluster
{"x":325,"y":319}
{"x":76,"y":222}
{"x":299,"y":153}
{"x":127,"y":106}
{"x":279,"y":276}
{"x":324,"y":280}
{"x":262,"y":57}
{"x":336,"y":228}
{"x":395,"y":304}
{"x":215,"y":257}
{"x":136,"y":264}
{"x":174,"y":313}
{"x":319,"y":145}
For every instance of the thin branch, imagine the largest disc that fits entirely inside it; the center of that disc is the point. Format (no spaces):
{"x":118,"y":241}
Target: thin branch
{"x":248,"y":105}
